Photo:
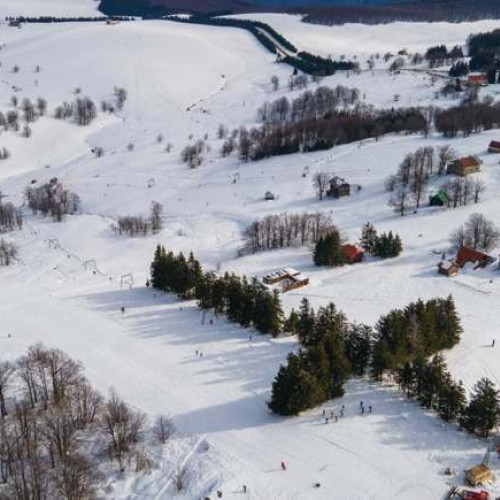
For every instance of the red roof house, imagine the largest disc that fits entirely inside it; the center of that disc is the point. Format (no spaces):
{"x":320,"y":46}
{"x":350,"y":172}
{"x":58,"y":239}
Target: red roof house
{"x":477,"y":79}
{"x":352,"y":254}
{"x":467,"y":255}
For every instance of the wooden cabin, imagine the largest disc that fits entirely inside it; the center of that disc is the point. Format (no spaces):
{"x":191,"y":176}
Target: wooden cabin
{"x":338,"y":188}
{"x":494,"y":147}
{"x":448,"y":268}
{"x":464,"y":166}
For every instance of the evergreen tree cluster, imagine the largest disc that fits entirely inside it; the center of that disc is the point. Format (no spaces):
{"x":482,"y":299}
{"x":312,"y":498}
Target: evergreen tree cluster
{"x":247,"y":303}
{"x":328,"y":250}
{"x":419,"y":330}
{"x":430,"y":383}
{"x":331,"y":350}
{"x":483,"y":50}
{"x":458,"y":69}
{"x":386,"y":246}
{"x":439,"y":55}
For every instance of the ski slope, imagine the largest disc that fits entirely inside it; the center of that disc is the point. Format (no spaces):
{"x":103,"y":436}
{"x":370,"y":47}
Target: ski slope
{"x":183,"y":81}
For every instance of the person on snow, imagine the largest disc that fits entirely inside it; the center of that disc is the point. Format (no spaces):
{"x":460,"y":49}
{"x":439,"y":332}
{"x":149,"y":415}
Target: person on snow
{"x":283,"y":465}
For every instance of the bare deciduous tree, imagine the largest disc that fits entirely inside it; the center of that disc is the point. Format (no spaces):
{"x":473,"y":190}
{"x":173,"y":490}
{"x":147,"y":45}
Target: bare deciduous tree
{"x":321,"y":182}
{"x":163,"y":428}
{"x":7,"y":370}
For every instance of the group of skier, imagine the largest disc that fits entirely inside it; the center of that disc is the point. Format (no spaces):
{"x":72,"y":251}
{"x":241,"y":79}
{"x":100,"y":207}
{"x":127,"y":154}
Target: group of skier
{"x":332,"y":416}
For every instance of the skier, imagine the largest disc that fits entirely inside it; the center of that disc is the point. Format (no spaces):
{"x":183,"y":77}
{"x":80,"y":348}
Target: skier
{"x":250,"y":338}
{"x":123,"y":310}
{"x":244,"y":488}
{"x":283,"y":465}
{"x":362,"y":410}
{"x":493,"y":343}
{"x":361,"y":404}
{"x":324,"y":412}
{"x":336,"y":419}
{"x":331,"y":414}
{"x":370,"y":409}
{"x":326,"y":420}
{"x":341,"y":412}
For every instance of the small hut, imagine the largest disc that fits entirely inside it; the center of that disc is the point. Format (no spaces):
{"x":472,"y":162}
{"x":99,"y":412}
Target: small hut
{"x":448,"y":268}
{"x":338,"y":188}
{"x":269,"y":196}
{"x":479,"y":475}
{"x":439,"y":199}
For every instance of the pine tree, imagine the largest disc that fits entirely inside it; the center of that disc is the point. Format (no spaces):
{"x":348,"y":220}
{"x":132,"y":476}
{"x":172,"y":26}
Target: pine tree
{"x":482,"y":413}
{"x":291,"y":323}
{"x":359,"y":347}
{"x":294,"y":389}
{"x":451,"y":400}
{"x":328,"y":250}
{"x":306,"y":324}
{"x":340,"y":368}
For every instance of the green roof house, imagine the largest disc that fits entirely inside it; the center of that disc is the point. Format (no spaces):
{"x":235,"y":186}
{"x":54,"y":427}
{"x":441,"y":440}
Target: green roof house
{"x":439,"y":199}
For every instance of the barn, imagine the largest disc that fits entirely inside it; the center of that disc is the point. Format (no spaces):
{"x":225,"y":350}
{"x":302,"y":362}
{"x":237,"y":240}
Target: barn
{"x":478,"y":259}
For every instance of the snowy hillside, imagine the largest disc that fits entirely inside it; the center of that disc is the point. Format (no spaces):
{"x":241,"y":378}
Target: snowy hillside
{"x":66,"y":289}
{"x":58,"y":8}
{"x":363,"y":40}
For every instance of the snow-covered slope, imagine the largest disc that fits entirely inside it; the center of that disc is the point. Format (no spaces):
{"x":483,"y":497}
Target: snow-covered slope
{"x":364,"y":40}
{"x":57,"y":8}
{"x":182,"y":81}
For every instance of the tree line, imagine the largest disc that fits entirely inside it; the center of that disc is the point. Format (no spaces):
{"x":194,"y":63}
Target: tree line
{"x":467,"y":118}
{"x":56,"y":429}
{"x":440,"y":55}
{"x":321,"y":103}
{"x":245,"y":302}
{"x":74,"y":19}
{"x":483,"y":50}
{"x":342,"y":127}
{"x":285,"y":230}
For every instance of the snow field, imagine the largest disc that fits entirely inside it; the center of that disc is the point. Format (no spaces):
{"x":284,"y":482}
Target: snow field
{"x":147,"y":354}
